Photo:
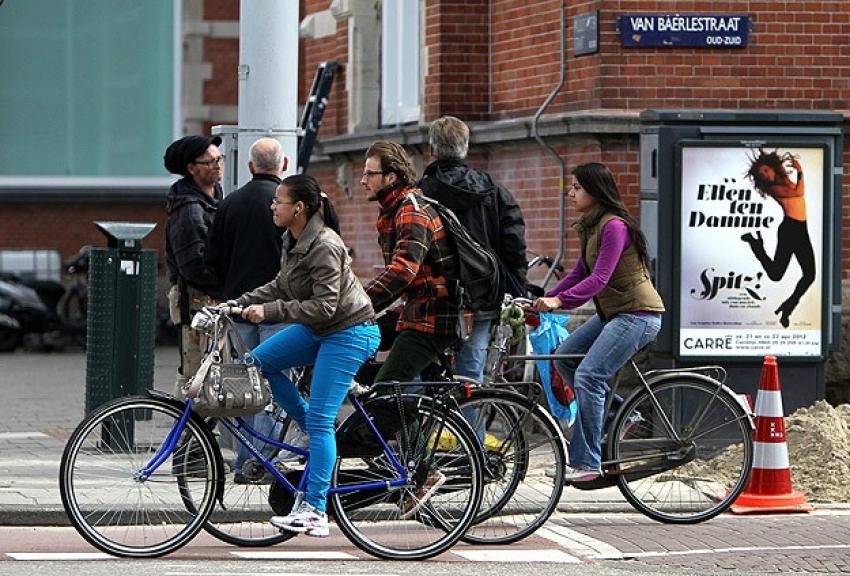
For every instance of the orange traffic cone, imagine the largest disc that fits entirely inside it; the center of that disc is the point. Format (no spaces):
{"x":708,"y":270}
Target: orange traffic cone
{"x":769,"y":488}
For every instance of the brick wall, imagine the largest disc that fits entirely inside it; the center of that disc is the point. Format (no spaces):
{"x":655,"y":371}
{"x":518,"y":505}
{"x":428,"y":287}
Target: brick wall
{"x":69,"y":226}
{"x":223,"y":86}
{"x":314,"y":51}
{"x":525,"y":55}
{"x":797,"y":57}
{"x":457,"y":75}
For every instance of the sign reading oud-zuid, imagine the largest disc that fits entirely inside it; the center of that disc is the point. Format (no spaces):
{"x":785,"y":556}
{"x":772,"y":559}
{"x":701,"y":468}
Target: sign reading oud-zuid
{"x":686,"y":30}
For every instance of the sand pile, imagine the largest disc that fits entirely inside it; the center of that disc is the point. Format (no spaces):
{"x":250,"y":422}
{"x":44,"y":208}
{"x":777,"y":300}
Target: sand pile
{"x":819,"y":451}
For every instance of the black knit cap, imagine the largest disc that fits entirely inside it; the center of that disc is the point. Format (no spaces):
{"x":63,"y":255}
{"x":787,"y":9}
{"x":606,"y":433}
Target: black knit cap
{"x":181,"y":152}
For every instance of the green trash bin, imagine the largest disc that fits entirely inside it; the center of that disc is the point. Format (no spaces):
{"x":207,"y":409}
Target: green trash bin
{"x":121,"y":327}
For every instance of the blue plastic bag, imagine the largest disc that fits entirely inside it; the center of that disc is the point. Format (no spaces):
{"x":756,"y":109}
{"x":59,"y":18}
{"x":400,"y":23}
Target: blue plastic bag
{"x":551,"y":331}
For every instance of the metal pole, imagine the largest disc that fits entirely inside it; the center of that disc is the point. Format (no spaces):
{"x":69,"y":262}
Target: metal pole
{"x":268,"y":78}
{"x":535,"y":132}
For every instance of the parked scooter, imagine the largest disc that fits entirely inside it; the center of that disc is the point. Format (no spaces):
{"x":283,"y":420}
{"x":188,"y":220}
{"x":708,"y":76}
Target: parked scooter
{"x":74,"y":304}
{"x":23,"y":312}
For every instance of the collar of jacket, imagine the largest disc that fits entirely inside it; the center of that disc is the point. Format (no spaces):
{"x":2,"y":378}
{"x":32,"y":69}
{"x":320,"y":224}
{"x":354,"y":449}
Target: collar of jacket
{"x":589,"y":219}
{"x":395,"y":195}
{"x":309,"y":234}
{"x":442,"y":164}
{"x":186,"y":191}
{"x":264,"y":176}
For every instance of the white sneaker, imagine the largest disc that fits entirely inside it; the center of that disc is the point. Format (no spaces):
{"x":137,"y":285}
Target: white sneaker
{"x":294,"y":437}
{"x":304,"y":519}
{"x":580,"y":474}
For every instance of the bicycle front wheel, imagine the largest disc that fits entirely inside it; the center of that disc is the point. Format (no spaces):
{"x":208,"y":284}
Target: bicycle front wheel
{"x":694,"y":474}
{"x":524,"y":462}
{"x":112,"y":504}
{"x":428,"y":514}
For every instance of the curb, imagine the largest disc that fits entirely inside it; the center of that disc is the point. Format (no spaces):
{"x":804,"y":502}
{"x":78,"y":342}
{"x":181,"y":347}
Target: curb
{"x":33,"y":516}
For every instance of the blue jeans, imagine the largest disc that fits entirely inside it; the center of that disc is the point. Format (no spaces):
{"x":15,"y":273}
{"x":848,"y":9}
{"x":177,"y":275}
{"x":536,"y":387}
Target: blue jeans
{"x":335,"y":358}
{"x":469,"y":361}
{"x":607,"y":347}
{"x":263,"y":422}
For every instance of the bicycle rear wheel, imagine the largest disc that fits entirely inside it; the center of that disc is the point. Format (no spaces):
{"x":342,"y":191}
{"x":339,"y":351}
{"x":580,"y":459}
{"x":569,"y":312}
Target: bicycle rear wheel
{"x":242,"y":517}
{"x":441,"y":453}
{"x":524,"y":462}
{"x":107,"y":499}
{"x":691,"y":479}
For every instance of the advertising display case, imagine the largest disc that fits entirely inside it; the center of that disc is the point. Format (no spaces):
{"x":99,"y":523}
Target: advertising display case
{"x":742,"y":210}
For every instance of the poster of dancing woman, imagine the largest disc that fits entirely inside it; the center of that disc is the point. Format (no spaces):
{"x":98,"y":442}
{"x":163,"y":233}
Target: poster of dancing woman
{"x":751,"y":224}
{"x":770,"y":176}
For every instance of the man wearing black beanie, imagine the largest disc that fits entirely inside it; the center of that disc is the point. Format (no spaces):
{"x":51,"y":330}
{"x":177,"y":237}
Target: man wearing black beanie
{"x":191,"y":205}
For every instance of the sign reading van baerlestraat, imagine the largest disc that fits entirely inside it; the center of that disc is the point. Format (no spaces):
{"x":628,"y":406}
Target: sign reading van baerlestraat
{"x":685,"y":30}
{"x":751,"y":224}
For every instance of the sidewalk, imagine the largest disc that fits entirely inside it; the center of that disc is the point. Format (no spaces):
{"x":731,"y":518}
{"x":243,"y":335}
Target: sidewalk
{"x":43,"y":400}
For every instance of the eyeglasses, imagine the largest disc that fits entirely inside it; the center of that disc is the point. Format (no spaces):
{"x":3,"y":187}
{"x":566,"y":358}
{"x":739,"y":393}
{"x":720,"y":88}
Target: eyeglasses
{"x":367,"y":173}
{"x":276,"y":202}
{"x":210,"y":163}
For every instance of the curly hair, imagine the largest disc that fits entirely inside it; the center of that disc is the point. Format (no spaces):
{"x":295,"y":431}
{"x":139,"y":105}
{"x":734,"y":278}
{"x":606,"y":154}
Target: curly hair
{"x":770,"y":159}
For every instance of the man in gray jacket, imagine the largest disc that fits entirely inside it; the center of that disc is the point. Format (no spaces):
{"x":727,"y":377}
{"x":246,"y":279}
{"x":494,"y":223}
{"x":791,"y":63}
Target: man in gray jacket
{"x":490,"y":213}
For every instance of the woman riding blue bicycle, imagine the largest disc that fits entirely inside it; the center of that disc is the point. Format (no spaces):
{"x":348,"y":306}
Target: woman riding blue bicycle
{"x":331,"y":327}
{"x":613,"y":271}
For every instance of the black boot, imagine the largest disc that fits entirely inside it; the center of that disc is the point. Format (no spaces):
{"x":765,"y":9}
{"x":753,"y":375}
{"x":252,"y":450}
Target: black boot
{"x":750,"y":239}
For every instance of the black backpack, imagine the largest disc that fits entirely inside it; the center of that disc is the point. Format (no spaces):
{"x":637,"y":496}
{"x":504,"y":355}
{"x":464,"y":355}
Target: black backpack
{"x":477,"y":270}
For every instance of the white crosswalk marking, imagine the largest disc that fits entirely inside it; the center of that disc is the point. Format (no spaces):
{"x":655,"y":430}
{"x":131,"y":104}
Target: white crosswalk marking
{"x":496,"y":555}
{"x":58,"y":556}
{"x":21,"y":435}
{"x":578,"y":543}
{"x":293,"y":555}
{"x":245,"y":573}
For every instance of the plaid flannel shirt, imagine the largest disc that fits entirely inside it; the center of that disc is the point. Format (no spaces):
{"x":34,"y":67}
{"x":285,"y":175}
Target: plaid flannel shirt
{"x":416,"y":251}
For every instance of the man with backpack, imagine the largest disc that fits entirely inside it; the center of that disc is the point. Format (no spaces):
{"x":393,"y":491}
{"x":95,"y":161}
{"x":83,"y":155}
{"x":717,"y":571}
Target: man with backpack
{"x":491,"y":215}
{"x":417,"y":254}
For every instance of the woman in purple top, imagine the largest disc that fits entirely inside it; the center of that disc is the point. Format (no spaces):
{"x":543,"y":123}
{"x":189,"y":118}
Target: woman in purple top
{"x":613,"y":271}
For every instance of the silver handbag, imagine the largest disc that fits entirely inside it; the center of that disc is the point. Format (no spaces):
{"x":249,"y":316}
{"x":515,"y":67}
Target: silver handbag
{"x":224,"y":386}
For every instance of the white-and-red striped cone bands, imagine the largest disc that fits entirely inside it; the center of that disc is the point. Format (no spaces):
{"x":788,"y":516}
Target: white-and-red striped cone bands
{"x":769,"y":488}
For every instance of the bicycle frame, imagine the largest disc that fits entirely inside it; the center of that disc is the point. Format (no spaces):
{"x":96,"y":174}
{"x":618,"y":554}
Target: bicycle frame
{"x":236,"y":426}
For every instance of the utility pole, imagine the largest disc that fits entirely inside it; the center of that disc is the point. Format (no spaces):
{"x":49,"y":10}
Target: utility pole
{"x":268,"y":85}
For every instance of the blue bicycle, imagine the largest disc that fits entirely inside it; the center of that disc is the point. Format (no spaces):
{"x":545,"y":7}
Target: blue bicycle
{"x":141,"y":476}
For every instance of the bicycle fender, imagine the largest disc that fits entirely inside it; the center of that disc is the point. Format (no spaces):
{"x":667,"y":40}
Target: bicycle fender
{"x":739,"y":398}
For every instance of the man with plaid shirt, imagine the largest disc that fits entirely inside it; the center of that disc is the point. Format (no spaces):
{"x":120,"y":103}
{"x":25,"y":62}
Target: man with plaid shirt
{"x":416,"y":252}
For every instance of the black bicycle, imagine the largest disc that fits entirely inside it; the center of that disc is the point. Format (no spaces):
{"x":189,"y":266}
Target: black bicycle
{"x":679,"y":447}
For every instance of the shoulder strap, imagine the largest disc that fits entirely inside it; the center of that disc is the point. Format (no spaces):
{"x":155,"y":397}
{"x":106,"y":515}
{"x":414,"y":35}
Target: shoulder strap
{"x":412,"y":198}
{"x":192,"y":388}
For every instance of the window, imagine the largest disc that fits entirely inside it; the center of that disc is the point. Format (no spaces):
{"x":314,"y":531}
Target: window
{"x":32,"y":264}
{"x":400,"y":64}
{"x":88,"y":87}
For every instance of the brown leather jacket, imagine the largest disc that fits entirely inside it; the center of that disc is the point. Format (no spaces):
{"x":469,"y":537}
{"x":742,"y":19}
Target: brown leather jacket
{"x":315,"y":286}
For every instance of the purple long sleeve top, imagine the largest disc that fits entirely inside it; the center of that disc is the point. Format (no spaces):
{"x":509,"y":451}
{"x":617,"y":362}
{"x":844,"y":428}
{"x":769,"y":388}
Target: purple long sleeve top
{"x":577,"y":287}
